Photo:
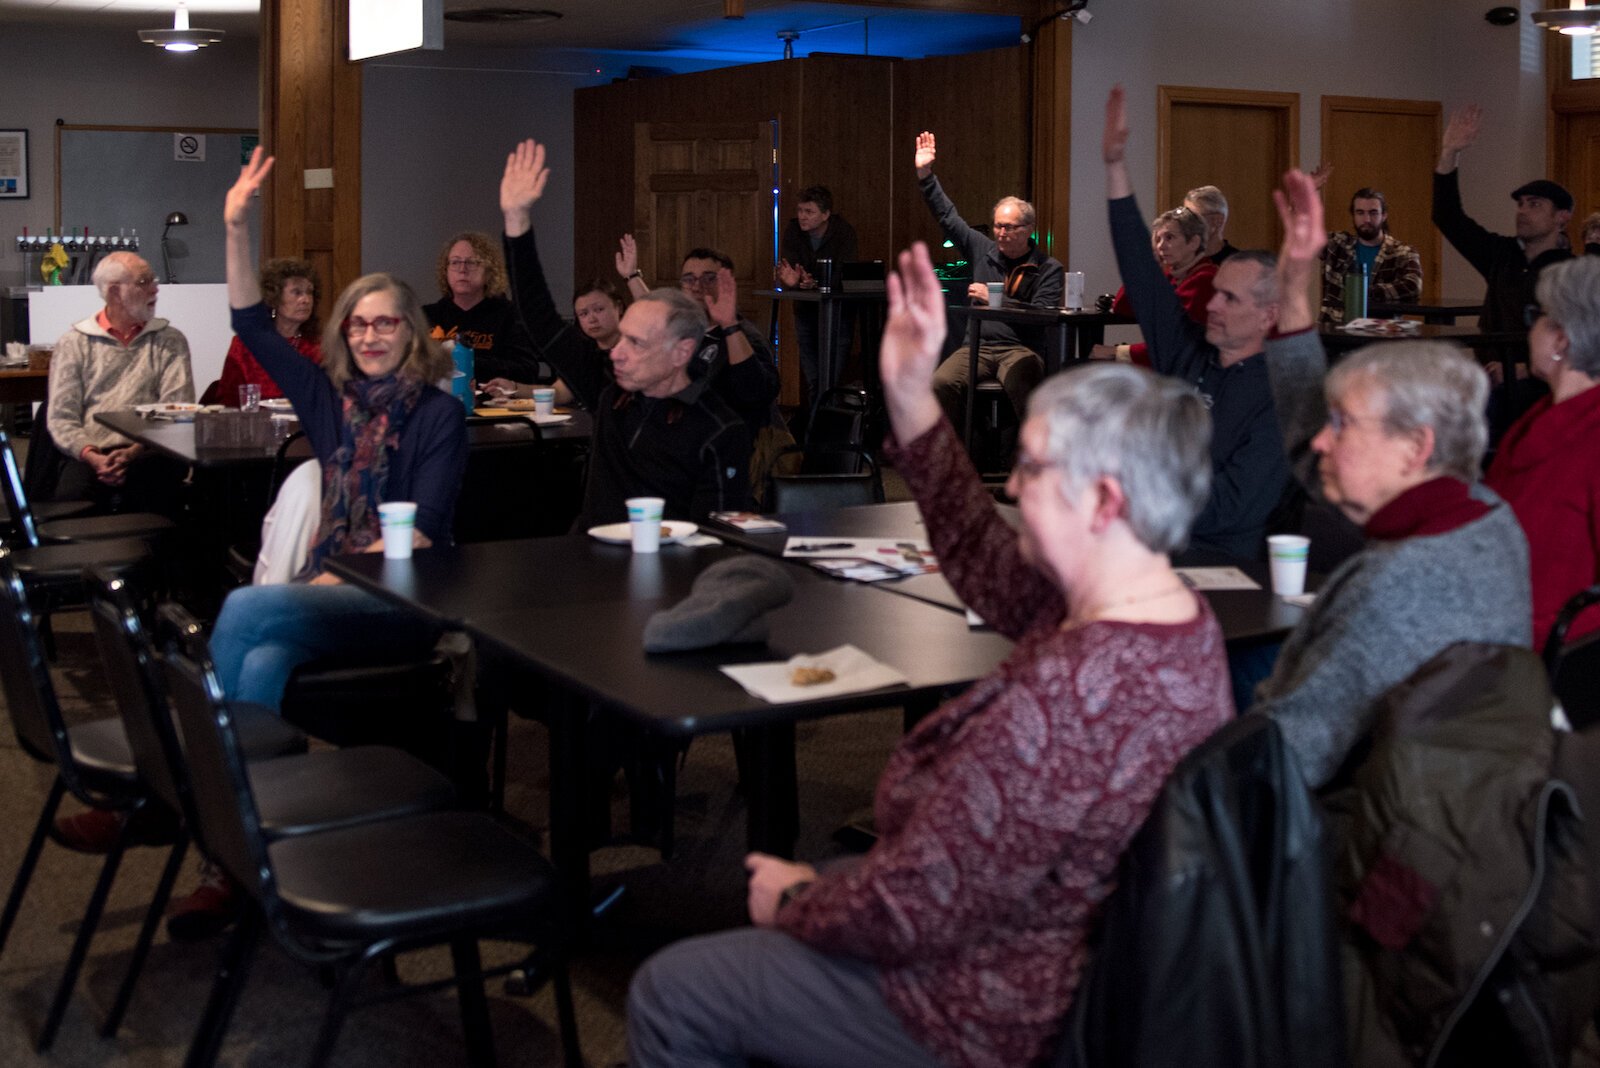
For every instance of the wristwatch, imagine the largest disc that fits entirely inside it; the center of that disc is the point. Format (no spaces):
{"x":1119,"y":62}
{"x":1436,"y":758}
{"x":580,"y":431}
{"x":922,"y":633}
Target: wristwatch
{"x":792,"y":891}
{"x":635,"y":274}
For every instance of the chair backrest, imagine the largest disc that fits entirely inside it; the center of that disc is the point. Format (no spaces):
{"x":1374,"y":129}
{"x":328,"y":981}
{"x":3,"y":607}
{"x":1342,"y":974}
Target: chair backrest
{"x":225,"y":820}
{"x":1574,"y":668}
{"x":25,"y":678}
{"x":16,"y":496}
{"x":836,"y":437}
{"x":134,"y":672}
{"x":821,"y":493}
{"x":292,"y":452}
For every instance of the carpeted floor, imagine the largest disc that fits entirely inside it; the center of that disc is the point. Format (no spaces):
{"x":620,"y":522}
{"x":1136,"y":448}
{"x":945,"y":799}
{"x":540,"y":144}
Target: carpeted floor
{"x":701,"y":889}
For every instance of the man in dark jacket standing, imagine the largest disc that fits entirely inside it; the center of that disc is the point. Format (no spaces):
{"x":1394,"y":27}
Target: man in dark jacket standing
{"x":815,"y":233}
{"x":1510,"y":265}
{"x":1011,"y":256}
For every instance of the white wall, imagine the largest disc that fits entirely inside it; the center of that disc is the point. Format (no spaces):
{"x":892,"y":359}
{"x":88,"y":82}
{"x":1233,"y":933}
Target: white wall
{"x":435,"y":133}
{"x":91,"y":76}
{"x":1421,"y":49}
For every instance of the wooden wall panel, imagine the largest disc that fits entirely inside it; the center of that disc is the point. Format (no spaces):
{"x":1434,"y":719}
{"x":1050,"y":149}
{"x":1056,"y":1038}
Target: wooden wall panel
{"x":1390,"y":146}
{"x":1238,"y":140}
{"x":311,"y":119}
{"x":982,"y":157}
{"x":1052,"y":134}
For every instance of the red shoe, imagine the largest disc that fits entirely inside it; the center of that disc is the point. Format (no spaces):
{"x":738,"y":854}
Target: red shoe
{"x":93,"y":831}
{"x":207,"y":911}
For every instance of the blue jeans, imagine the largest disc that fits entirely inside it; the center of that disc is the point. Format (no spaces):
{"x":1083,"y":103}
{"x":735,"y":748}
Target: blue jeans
{"x":265,"y":632}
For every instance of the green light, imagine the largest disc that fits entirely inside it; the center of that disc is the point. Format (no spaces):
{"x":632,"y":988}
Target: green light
{"x":949,"y":244}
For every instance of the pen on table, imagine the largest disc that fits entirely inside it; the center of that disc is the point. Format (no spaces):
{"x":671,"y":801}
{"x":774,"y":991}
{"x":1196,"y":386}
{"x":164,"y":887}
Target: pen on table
{"x":823,"y":546}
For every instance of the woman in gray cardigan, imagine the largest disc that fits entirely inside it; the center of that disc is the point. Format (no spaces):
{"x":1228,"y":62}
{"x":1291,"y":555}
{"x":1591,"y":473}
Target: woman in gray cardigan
{"x":1393,"y":438}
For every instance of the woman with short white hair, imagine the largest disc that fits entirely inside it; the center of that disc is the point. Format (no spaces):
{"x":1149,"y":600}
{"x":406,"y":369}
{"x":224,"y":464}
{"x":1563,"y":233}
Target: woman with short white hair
{"x":1393,"y":438}
{"x":960,"y":938}
{"x":1547,"y":467}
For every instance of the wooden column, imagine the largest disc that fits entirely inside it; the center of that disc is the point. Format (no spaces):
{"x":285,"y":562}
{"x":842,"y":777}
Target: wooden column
{"x":1051,"y":158}
{"x":311,"y":121}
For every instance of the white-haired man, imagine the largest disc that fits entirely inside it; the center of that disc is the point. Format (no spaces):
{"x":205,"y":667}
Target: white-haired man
{"x":1010,"y":354}
{"x":121,"y":356}
{"x":1208,"y":202}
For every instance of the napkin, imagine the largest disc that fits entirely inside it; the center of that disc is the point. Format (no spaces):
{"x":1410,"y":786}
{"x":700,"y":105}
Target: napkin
{"x":16,"y":353}
{"x":728,"y":603}
{"x":853,"y":670}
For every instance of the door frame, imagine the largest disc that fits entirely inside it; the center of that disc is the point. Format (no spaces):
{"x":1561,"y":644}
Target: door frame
{"x":1167,"y":95}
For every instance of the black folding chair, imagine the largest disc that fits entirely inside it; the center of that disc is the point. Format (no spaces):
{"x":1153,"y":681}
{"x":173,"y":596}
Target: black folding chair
{"x":1575,"y":668}
{"x":343,"y":898}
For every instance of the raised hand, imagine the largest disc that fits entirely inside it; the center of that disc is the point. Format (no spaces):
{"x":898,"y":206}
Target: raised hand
{"x":522,"y":185}
{"x":723,"y":305}
{"x":1114,"y":141}
{"x":1321,"y":175}
{"x":1304,"y":236}
{"x":236,"y":205}
{"x":627,"y":256}
{"x":913,"y":335}
{"x":1462,"y":129}
{"x":927,"y":151}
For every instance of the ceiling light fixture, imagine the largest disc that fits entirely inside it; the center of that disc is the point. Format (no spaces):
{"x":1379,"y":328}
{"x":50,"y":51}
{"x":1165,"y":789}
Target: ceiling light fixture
{"x":1575,"y":20}
{"x":181,"y":38}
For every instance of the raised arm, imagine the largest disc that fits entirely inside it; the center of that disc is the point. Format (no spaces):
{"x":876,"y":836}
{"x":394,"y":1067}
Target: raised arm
{"x":244,"y":285}
{"x":628,"y":266}
{"x":1459,"y":136}
{"x":1296,"y":362}
{"x":927,"y":152}
{"x":972,"y":243}
{"x":1114,"y":146}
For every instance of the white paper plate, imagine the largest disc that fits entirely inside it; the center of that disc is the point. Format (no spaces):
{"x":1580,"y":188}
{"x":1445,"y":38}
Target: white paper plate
{"x":176,"y":411}
{"x":548,"y":420}
{"x":620,"y":534}
{"x":278,"y":404}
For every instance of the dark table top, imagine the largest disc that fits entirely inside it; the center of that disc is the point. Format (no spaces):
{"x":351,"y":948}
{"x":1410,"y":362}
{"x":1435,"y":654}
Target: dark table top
{"x":22,"y":385}
{"x":177,"y":440}
{"x":1443,"y":310}
{"x":579,"y":428}
{"x":574,"y":609}
{"x":1029,"y":315}
{"x":815,"y":296}
{"x":1339,"y":341}
{"x":1244,"y":615}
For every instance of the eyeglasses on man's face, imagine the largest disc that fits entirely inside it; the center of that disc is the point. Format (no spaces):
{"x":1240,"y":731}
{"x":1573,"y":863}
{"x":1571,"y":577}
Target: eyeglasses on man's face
{"x":385,"y":325}
{"x":1007,"y":228}
{"x":144,"y":281}
{"x":703,"y":280}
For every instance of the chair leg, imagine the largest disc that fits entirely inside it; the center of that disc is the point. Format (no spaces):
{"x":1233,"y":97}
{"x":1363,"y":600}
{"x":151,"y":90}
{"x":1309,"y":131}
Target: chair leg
{"x":80,"y":944}
{"x":225,"y":990}
{"x":338,"y":1007}
{"x":474,"y":1007}
{"x":566,"y":1016}
{"x":30,"y":859}
{"x":141,"y":948}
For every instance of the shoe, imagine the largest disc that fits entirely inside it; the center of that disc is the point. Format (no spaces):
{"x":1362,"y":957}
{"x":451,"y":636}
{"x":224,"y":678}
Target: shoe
{"x":207,"y":911}
{"x":93,"y":831}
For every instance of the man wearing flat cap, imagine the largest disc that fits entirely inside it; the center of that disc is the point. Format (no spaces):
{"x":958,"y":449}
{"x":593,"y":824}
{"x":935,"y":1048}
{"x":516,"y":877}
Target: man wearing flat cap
{"x":1510,"y":265}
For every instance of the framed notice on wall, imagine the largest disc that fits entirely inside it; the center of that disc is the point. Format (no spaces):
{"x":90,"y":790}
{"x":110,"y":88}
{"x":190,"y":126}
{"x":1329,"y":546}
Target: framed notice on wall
{"x":13,"y":164}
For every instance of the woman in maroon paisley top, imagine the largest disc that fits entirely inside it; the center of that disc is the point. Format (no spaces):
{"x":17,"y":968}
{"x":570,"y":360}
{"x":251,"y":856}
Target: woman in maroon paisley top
{"x":960,"y":937}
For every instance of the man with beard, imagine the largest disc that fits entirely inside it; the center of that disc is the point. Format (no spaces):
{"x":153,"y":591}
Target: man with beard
{"x":121,"y":356}
{"x":1510,"y":265}
{"x":1394,"y":269}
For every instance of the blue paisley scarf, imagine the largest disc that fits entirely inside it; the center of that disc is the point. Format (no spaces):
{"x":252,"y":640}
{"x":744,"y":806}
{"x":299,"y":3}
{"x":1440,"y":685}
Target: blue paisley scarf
{"x":353,"y":481}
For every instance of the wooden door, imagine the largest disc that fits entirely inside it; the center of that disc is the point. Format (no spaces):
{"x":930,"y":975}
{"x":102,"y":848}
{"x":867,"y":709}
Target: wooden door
{"x":1390,"y":146}
{"x":705,"y":185}
{"x":1238,"y":140}
{"x":1577,"y":162}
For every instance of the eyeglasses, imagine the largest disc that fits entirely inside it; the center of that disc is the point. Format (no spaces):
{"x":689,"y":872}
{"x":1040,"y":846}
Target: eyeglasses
{"x":463,"y":265}
{"x":385,"y":325}
{"x":1339,"y":421}
{"x":1006,"y":228}
{"x":1531,"y":313}
{"x":1027,"y":468}
{"x":706,"y":280}
{"x":144,"y":281}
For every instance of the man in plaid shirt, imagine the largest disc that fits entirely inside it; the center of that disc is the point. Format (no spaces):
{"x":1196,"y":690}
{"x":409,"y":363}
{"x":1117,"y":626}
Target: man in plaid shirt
{"x":1394,"y":269}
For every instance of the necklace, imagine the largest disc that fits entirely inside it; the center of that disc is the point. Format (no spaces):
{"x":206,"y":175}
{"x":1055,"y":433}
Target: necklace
{"x":1095,"y":612}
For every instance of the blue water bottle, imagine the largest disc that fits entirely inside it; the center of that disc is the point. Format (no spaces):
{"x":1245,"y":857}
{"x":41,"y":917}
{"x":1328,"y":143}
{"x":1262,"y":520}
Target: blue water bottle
{"x":461,"y":376}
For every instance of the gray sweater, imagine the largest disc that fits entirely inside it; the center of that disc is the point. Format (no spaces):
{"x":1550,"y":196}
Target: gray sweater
{"x":1390,"y":608}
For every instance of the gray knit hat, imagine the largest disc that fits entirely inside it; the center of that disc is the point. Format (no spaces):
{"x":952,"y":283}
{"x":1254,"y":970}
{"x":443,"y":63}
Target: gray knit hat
{"x":729,"y":603}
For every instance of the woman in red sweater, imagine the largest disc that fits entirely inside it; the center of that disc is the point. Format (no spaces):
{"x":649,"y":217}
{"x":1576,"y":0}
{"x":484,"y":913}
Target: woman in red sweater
{"x":1547,"y":467}
{"x":289,"y":288}
{"x":1178,"y":239}
{"x":960,"y":938}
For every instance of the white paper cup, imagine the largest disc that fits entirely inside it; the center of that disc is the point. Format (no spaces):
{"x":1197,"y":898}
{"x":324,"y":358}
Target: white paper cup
{"x":1286,"y":555}
{"x":997,"y":294}
{"x":544,"y":400}
{"x":399,"y":519}
{"x":644,"y":519}
{"x":1072,"y":298}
